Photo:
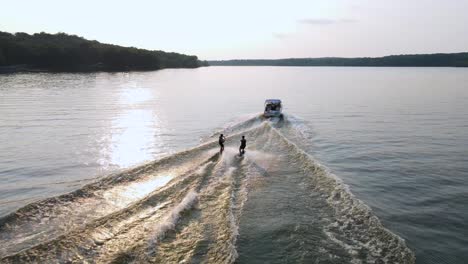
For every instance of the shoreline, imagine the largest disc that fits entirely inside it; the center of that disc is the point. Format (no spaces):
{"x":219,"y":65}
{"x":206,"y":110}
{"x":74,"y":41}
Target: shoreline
{"x":81,"y":69}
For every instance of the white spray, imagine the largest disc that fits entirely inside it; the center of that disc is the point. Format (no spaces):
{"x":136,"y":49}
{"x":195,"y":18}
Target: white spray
{"x":170,"y":220}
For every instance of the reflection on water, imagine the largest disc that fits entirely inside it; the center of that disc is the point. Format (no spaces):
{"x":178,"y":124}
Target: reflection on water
{"x":133,"y":131}
{"x":397,"y":136}
{"x":123,"y":195}
{"x":135,"y":96}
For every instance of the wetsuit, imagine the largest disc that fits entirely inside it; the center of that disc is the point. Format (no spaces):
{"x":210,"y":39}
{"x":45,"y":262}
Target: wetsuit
{"x":221,"y":143}
{"x":242,"y":146}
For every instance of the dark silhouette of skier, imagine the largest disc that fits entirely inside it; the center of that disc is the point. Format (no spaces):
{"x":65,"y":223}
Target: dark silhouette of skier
{"x":242,"y":146}
{"x":221,"y":143}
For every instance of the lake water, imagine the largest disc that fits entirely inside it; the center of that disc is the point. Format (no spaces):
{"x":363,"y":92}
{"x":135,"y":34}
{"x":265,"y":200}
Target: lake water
{"x":397,"y":137}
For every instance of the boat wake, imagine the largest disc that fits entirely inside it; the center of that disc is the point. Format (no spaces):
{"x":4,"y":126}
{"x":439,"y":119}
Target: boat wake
{"x":275,"y":204}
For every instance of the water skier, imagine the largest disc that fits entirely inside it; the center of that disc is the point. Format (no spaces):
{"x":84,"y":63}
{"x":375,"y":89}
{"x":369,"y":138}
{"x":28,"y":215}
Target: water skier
{"x":221,"y":143}
{"x":242,"y":146}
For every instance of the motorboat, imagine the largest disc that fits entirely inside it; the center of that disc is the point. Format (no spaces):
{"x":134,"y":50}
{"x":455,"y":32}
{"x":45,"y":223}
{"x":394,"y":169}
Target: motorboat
{"x":273,"y":108}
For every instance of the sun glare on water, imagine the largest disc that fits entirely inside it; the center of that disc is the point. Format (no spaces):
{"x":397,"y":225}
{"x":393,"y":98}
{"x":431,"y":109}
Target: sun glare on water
{"x":133,"y":132}
{"x":133,"y":137}
{"x":134,"y":96}
{"x":121,"y":196}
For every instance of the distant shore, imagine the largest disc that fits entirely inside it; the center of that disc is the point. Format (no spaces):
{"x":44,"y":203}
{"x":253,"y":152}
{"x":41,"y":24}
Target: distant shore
{"x":43,"y":52}
{"x":79,"y":69}
{"x":417,"y":60}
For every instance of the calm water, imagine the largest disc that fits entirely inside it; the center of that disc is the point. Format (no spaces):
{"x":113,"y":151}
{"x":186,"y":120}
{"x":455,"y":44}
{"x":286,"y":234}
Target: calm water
{"x":397,"y":136}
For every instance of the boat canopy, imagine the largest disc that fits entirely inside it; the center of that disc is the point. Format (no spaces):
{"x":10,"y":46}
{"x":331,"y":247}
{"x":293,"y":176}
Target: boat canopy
{"x":272,"y":101}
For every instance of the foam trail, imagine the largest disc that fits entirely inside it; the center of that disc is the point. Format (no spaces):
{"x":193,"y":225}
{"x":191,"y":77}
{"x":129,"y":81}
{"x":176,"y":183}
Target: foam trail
{"x":169,"y":222}
{"x":241,"y":124}
{"x":350,"y":211}
{"x":276,"y":197}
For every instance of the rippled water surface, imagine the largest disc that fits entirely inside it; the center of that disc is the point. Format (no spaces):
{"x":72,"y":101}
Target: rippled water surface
{"x":398,"y":137}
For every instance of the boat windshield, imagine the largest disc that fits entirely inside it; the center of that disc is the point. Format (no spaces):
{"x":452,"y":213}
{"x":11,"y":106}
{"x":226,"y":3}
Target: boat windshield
{"x":272,"y":107}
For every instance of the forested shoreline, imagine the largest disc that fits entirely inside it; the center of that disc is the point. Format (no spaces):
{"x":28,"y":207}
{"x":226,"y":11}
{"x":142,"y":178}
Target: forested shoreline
{"x":417,"y":60}
{"x":69,"y":53}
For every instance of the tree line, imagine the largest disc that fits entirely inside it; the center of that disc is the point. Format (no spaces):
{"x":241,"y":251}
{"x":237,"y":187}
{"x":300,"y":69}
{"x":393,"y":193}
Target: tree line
{"x":419,"y":60}
{"x":63,"y":52}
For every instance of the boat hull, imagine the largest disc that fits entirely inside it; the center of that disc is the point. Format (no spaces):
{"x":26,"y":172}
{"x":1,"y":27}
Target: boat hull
{"x":272,"y":114}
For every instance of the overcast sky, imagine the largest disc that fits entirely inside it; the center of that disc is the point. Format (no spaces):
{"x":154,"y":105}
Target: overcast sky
{"x":253,"y":29}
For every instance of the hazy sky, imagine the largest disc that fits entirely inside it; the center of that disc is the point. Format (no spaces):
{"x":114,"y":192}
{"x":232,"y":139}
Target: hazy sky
{"x":253,"y":29}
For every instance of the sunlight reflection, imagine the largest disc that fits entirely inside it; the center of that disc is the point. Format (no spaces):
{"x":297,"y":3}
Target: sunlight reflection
{"x":122,"y":196}
{"x":135,"y":95}
{"x":135,"y":133}
{"x":133,"y":137}
{"x":139,"y":190}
